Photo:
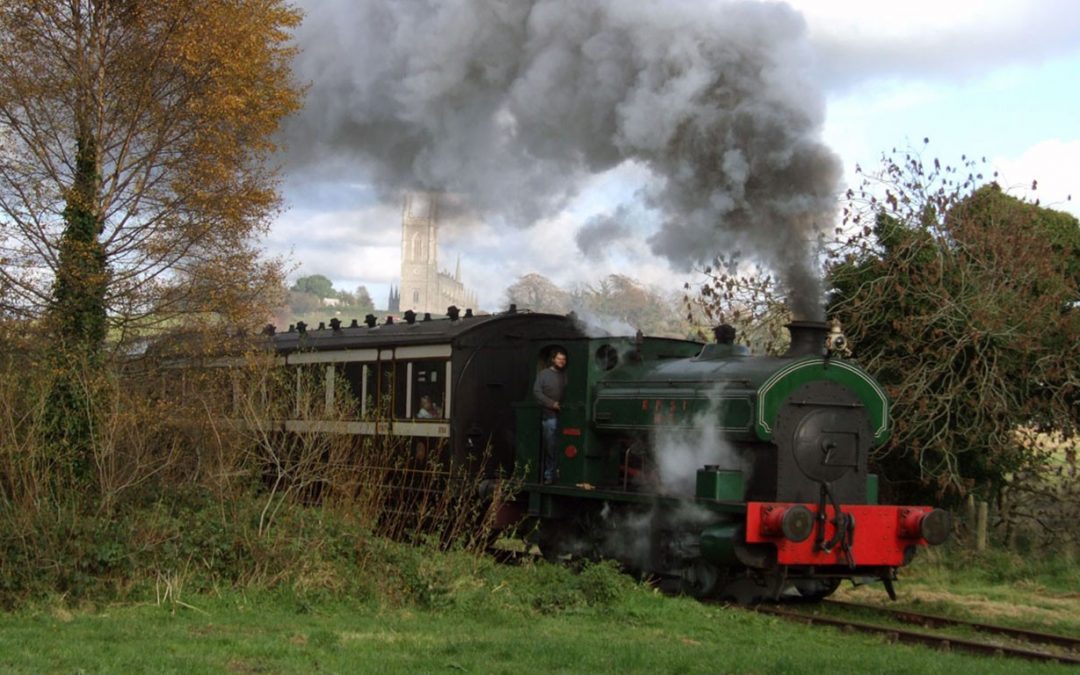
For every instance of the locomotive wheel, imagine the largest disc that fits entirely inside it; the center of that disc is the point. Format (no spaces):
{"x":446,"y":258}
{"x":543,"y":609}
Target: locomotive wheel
{"x":700,"y":579}
{"x":812,"y":590}
{"x":550,"y":538}
{"x":750,"y":590}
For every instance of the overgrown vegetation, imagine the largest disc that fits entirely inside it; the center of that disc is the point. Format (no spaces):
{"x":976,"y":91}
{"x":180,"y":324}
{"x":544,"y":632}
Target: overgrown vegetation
{"x":192,"y":485}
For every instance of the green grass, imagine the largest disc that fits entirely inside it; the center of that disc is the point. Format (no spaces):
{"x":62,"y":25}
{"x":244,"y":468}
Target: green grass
{"x":1036,"y":592}
{"x":497,"y":621}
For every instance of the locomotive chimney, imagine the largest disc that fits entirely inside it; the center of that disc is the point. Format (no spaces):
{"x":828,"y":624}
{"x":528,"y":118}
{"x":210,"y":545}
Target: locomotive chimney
{"x":807,"y":338}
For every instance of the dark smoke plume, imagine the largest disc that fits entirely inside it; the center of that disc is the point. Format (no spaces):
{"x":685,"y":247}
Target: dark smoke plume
{"x":516,"y":103}
{"x":598,"y":232}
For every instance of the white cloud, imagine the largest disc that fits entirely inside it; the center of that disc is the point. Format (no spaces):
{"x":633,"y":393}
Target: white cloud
{"x":859,"y":40}
{"x":349,"y":246}
{"x":1054,"y":165}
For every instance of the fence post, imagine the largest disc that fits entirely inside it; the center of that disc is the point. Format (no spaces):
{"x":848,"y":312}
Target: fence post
{"x":981,"y":526}
{"x":969,"y":518}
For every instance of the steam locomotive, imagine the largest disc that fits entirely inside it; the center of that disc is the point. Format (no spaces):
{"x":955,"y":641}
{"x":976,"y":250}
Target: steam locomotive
{"x":727,"y":474}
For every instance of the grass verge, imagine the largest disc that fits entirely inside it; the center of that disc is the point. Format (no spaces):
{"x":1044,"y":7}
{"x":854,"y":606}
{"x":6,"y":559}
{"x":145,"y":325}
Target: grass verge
{"x":485,"y":619}
{"x":1000,"y":587}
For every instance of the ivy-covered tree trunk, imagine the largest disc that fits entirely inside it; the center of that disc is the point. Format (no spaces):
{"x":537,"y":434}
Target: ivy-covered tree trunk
{"x":77,"y":319}
{"x":78,"y":309}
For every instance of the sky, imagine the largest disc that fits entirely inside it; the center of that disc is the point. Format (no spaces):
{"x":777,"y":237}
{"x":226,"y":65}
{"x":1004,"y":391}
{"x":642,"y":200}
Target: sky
{"x":575,"y":200}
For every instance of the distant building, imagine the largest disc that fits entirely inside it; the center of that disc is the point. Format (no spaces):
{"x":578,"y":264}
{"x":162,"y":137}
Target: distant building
{"x":423,"y":287}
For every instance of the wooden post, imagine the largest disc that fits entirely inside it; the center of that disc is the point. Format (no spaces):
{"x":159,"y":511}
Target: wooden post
{"x":981,"y":526}
{"x":969,"y":519}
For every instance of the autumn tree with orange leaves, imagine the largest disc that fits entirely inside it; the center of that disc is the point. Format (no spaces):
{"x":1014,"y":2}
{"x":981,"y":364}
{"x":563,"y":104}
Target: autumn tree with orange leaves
{"x":135,"y":140}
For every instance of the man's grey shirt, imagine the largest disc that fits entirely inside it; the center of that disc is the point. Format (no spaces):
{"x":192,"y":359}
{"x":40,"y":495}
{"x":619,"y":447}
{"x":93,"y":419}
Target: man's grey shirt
{"x":548,"y":390}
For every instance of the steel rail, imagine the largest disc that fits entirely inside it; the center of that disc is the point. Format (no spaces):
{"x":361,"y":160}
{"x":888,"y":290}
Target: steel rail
{"x":939,"y":641}
{"x":932,"y":621}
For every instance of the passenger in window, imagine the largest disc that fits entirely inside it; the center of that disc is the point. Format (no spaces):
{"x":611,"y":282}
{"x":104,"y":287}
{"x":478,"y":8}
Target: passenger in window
{"x":428,"y":409}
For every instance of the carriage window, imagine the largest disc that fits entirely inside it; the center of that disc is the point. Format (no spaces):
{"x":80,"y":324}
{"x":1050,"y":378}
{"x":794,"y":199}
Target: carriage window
{"x":427,"y":389}
{"x":349,"y":387}
{"x":310,"y":391}
{"x":279,"y":391}
{"x":385,"y":399}
{"x":401,"y":382}
{"x":216,"y":386}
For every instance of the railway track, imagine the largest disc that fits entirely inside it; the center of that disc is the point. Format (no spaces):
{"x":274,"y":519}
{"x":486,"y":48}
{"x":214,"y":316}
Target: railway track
{"x":1019,"y":642}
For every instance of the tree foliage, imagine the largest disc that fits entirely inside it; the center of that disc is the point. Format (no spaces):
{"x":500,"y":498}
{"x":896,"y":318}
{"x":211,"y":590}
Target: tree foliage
{"x":622,"y":299}
{"x":961,"y":300}
{"x":539,"y":294}
{"x":315,"y":284}
{"x":616,"y":303}
{"x":306,"y":300}
{"x":134,"y":139}
{"x":748,"y":300}
{"x":362,"y":299}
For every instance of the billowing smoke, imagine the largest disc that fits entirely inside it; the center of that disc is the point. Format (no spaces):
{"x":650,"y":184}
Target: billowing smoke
{"x":595,"y":236}
{"x":596,"y":325}
{"x":517,"y":103}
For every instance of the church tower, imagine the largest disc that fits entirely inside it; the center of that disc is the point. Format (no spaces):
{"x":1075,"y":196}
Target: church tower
{"x":419,"y":263}
{"x":424,"y":288}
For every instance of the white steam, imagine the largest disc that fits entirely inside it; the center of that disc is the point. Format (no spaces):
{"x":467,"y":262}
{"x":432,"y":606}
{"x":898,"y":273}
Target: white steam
{"x":680,"y":452}
{"x":515,"y":104}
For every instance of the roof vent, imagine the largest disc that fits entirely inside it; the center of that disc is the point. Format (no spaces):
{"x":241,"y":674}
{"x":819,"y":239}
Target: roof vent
{"x":270,"y":329}
{"x":427,"y":316}
{"x":452,"y":312}
{"x":468,"y":313}
{"x":370,"y":320}
{"x":410,"y":317}
{"x":335,"y":324}
{"x":301,"y":327}
{"x":354,"y":324}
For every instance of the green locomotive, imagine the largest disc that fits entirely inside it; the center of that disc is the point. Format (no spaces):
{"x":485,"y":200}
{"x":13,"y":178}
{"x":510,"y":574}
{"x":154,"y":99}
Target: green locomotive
{"x":737,"y":475}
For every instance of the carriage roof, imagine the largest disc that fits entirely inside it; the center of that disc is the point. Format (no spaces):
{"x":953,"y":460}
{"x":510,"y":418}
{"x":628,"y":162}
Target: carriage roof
{"x":431,"y":331}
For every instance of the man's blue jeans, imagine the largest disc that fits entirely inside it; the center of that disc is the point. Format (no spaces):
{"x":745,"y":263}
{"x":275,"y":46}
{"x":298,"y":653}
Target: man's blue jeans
{"x":549,"y":426}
